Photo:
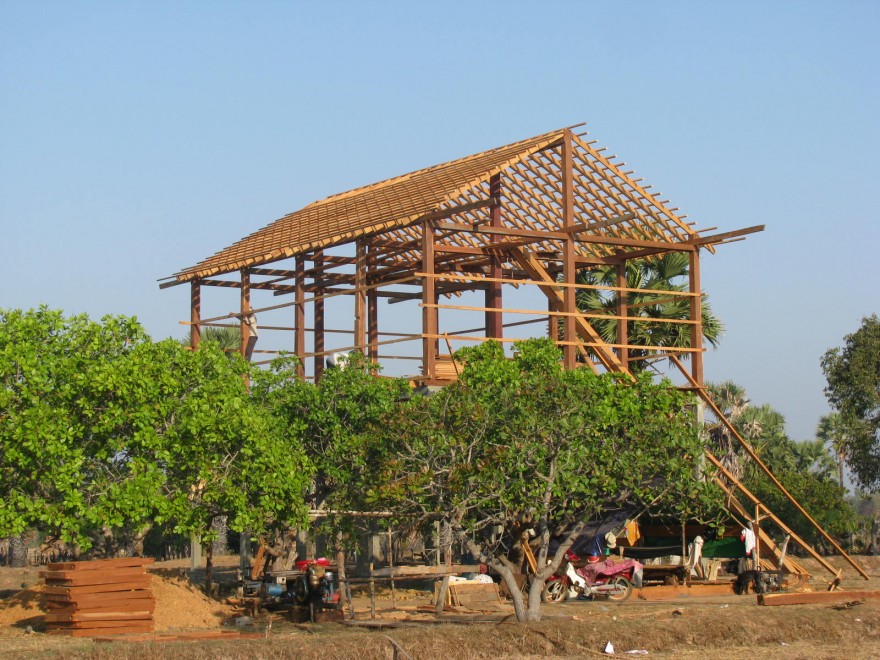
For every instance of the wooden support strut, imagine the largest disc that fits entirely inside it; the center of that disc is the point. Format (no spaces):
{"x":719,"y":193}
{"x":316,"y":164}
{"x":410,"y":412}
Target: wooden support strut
{"x":537,"y":271}
{"x":705,"y":396}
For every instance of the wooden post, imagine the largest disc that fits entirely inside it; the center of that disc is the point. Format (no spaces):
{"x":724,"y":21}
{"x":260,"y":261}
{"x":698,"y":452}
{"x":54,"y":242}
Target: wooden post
{"x":494,"y":319}
{"x":429,"y":297}
{"x":552,"y":321}
{"x":372,"y":325}
{"x":299,"y":315}
{"x":245,"y":310}
{"x":696,"y":316}
{"x":622,"y":310}
{"x":195,"y":314}
{"x":372,"y":593}
{"x":568,"y":264}
{"x":318,"y":339}
{"x":360,"y":298}
{"x":441,"y":596}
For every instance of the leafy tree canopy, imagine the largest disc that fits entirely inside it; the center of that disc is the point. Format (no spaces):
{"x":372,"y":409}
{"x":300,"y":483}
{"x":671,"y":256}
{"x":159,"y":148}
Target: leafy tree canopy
{"x":853,"y":376}
{"x":521,"y":444}
{"x":104,"y":430}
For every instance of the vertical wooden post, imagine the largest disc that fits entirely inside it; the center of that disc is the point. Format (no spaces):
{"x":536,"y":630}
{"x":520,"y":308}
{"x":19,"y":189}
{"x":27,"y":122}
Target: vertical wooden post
{"x":569,"y":352}
{"x":372,"y":322}
{"x":299,"y":315}
{"x":360,"y":298}
{"x":552,"y":321}
{"x":622,"y":310}
{"x":696,"y":316}
{"x":429,"y":297}
{"x":195,"y":314}
{"x":245,"y":310}
{"x":494,"y":320}
{"x":318,"y":335}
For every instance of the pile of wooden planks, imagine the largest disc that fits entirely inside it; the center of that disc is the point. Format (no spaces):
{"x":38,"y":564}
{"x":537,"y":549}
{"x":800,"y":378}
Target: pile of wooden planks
{"x":104,"y":597}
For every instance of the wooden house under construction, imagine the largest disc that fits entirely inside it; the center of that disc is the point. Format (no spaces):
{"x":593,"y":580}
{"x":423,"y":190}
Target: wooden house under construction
{"x":494,"y":242}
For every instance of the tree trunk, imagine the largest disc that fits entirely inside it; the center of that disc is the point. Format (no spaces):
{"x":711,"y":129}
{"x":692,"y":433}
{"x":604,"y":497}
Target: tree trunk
{"x":17,"y":552}
{"x":209,"y":569}
{"x":340,"y":572}
{"x":221,"y":544}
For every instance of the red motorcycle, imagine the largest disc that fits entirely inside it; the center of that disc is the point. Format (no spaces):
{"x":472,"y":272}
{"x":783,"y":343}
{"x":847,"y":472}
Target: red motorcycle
{"x":609,"y":579}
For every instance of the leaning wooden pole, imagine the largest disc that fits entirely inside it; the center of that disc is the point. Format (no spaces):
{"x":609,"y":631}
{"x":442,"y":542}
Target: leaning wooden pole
{"x":705,"y":396}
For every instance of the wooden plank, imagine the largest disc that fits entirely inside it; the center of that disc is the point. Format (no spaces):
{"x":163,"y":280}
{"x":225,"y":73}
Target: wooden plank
{"x":87,"y":617}
{"x":815,"y":597}
{"x":74,"y":591}
{"x":140,"y":605}
{"x":100,"y":564}
{"x":673,"y":592}
{"x":89,"y":578}
{"x":103,"y":632}
{"x":94,"y":625}
{"x":98,"y":597}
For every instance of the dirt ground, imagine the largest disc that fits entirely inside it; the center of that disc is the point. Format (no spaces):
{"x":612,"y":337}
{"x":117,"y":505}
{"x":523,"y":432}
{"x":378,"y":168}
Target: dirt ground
{"x":720,"y":626}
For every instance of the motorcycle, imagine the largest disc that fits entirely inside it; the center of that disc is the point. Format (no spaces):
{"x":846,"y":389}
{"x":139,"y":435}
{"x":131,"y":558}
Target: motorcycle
{"x":609,"y":579}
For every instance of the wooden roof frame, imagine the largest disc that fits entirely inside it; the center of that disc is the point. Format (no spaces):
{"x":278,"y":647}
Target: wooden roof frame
{"x":530,"y":213}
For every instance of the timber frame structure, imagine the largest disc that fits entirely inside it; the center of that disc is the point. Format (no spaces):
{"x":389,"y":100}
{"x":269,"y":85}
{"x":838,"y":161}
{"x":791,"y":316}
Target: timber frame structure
{"x":527,"y":216}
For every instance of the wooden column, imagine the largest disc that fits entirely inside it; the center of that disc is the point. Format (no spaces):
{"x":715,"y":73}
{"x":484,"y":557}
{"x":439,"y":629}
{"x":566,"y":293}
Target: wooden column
{"x":318,"y":335}
{"x":299,"y":315}
{"x":569,"y":271}
{"x":697,"y":316}
{"x":372,"y":317}
{"x":429,"y":297}
{"x":360,"y":298}
{"x":195,"y":314}
{"x":245,"y":310}
{"x":622,"y":310}
{"x":552,"y":321}
{"x":494,"y":320}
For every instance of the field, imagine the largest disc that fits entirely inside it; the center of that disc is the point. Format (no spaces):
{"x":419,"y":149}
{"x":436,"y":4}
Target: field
{"x":719,"y":626}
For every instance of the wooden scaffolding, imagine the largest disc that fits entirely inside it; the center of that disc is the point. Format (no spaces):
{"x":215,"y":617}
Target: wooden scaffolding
{"x":484,"y":229}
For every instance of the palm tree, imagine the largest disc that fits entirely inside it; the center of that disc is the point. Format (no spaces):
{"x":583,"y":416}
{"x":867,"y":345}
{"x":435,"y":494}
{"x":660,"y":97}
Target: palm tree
{"x":732,"y":402}
{"x":832,"y":432}
{"x":668,"y":272}
{"x":227,"y":336}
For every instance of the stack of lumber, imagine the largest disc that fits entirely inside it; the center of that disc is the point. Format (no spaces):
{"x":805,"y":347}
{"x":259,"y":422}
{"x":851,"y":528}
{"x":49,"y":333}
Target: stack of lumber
{"x":104,"y":597}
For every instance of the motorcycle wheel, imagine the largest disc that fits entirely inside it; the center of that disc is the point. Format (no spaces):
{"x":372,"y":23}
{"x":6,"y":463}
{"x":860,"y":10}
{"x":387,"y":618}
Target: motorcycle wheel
{"x":621,"y":589}
{"x":555,"y":591}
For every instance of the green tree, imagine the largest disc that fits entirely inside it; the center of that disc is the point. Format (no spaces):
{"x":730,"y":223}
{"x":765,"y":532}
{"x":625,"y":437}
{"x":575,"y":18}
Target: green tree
{"x":832,"y":432}
{"x":521,"y":444}
{"x":105,"y":431}
{"x":668,"y":272}
{"x":853,"y":376}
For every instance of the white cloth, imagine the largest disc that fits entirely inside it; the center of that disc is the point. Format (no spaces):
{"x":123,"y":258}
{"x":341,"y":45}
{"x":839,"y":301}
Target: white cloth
{"x":748,"y":537}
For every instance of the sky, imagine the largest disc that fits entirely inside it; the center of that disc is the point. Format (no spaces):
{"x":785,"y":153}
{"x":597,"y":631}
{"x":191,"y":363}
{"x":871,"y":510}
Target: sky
{"x":137,"y":138}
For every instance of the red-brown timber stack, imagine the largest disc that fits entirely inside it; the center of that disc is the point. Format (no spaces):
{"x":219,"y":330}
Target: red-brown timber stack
{"x":103,"y":597}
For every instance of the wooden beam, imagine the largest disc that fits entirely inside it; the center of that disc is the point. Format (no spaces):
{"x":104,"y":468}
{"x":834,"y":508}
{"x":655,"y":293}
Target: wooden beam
{"x":551,"y":289}
{"x":569,"y":268}
{"x":245,"y":309}
{"x":622,"y":312}
{"x":360,"y":298}
{"x":816,"y":597}
{"x":696,"y":316}
{"x":705,"y":396}
{"x":429,"y":297}
{"x":299,"y":316}
{"x":718,"y":238}
{"x":318,"y":334}
{"x":493,"y":290}
{"x":195,"y":314}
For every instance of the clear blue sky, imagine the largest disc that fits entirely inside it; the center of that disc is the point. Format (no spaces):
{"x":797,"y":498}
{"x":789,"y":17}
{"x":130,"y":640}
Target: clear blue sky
{"x":137,"y":138}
